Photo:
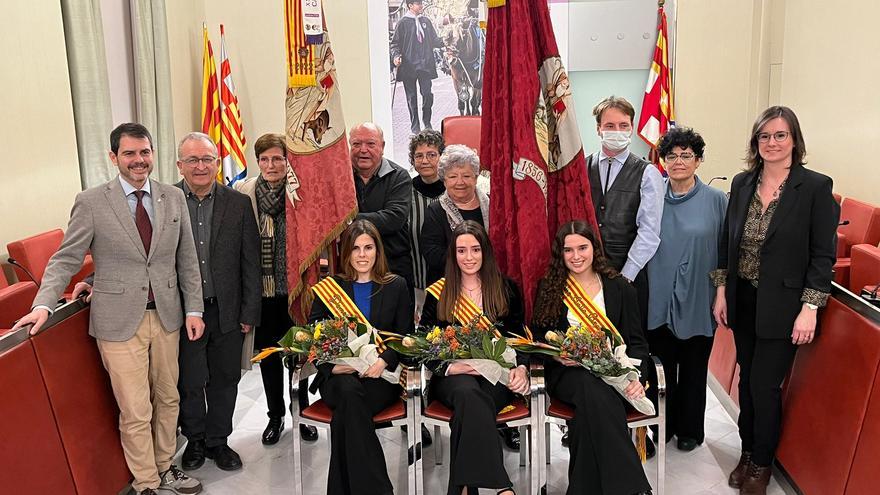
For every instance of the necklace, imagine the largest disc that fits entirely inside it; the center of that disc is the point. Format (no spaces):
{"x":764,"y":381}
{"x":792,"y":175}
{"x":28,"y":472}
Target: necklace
{"x":467,"y":204}
{"x":778,"y":190}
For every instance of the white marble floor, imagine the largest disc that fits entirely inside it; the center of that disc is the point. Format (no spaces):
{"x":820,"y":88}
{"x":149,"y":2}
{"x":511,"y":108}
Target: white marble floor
{"x":268,"y":470}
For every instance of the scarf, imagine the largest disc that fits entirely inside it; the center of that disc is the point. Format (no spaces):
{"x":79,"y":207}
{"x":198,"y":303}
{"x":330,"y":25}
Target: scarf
{"x":420,"y":33}
{"x":270,"y":204}
{"x":454,"y":215}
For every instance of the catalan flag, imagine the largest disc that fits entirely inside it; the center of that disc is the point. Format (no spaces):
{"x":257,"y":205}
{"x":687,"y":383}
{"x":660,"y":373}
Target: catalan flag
{"x":232,"y":142}
{"x":657,"y":108}
{"x":210,"y":95}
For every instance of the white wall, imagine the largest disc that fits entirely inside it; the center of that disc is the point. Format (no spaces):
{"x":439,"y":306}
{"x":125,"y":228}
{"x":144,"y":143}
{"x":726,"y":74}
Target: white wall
{"x":40,"y":169}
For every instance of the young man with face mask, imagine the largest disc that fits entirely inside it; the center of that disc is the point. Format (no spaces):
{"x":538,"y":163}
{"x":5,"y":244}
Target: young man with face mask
{"x":627,"y":197}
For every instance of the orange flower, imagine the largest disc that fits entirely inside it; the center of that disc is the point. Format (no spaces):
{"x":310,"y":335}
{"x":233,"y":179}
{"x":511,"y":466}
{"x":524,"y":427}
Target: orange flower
{"x":449,"y":333}
{"x":453,"y":345}
{"x":466,"y":330}
{"x":337,"y":324}
{"x":312,"y":355}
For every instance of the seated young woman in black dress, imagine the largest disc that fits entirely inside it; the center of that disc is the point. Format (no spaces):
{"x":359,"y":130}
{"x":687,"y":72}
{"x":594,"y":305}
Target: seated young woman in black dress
{"x":357,"y":463}
{"x":579,"y":283}
{"x":474,"y":285}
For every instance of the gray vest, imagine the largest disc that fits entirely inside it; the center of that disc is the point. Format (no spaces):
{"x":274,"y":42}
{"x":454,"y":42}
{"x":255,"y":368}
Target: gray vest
{"x":616,"y":210}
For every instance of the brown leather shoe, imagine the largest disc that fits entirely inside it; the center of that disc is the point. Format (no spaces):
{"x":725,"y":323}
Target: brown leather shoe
{"x":756,"y":481}
{"x":738,"y":474}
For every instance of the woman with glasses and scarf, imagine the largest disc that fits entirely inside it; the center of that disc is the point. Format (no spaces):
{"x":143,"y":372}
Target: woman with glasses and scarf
{"x":268,"y":199}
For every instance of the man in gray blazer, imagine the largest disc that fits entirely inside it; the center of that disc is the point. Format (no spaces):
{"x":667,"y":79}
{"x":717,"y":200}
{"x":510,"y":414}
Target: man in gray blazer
{"x":139,"y":234}
{"x":228,"y":248}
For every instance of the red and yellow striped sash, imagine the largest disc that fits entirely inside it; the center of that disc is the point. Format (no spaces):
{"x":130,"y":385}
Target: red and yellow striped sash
{"x":465,"y":310}
{"x":341,"y":306}
{"x":582,"y":307}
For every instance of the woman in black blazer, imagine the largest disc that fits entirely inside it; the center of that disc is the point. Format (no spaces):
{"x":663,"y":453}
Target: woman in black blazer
{"x":775,"y":261}
{"x":603,"y":458}
{"x":357,"y":464}
{"x":474,"y":281}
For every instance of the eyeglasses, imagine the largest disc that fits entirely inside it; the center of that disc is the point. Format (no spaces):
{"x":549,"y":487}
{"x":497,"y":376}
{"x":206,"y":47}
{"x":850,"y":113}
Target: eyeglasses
{"x":192,"y":161}
{"x":431,"y":155}
{"x":277,"y":160}
{"x":779,"y":137}
{"x":671,"y":157}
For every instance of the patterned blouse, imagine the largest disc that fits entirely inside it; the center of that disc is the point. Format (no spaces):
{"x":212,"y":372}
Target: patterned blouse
{"x":753,"y":237}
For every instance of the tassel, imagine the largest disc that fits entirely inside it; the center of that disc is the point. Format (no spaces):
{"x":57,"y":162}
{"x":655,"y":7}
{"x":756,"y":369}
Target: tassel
{"x":642,"y":443}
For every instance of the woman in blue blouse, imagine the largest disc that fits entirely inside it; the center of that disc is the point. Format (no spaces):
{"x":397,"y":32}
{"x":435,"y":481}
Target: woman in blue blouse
{"x":680,"y":322}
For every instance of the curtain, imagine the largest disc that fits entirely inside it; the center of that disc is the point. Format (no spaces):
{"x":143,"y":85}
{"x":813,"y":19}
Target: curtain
{"x":152,"y":74}
{"x":89,"y":87}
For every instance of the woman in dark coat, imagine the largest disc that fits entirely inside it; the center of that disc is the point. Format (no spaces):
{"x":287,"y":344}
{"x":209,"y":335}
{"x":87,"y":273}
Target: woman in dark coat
{"x":474,"y":285}
{"x":775,"y":264}
{"x":357,"y":463}
{"x":603,"y":457}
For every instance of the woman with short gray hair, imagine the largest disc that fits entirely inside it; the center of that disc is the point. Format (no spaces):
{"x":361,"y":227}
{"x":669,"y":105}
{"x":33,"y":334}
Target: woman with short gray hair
{"x":459,"y":168}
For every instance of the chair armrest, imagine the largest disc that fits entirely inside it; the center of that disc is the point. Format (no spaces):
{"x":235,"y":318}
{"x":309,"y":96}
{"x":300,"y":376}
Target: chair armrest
{"x":411,"y":380}
{"x":842,"y":245}
{"x":661,"y":377}
{"x":536,"y":377}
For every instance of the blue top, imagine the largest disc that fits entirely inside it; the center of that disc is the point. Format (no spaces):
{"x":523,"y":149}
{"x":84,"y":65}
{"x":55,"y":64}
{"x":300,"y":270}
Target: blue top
{"x":362,"y":292}
{"x":681,"y":293}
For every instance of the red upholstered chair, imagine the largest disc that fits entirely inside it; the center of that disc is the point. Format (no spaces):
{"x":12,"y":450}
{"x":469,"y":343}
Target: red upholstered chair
{"x":556,"y":412}
{"x":319,"y":415}
{"x":15,"y":301}
{"x":864,"y":267}
{"x":463,"y":129}
{"x":863,"y":228}
{"x":828,"y":402}
{"x":34,"y":252}
{"x":837,"y":197}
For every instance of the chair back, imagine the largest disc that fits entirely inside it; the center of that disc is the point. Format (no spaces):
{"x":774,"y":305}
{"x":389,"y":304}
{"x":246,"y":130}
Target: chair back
{"x":464,"y":129}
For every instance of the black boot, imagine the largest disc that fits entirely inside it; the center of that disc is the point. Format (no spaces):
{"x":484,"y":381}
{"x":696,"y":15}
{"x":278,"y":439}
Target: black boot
{"x":273,"y":430}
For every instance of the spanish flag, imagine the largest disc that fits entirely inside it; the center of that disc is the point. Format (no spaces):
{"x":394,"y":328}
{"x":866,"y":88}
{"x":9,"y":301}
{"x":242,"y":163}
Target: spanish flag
{"x":657,"y":109}
{"x":210,"y":95}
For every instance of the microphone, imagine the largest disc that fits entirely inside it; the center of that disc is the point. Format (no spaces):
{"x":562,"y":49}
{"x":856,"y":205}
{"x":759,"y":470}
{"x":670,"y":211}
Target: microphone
{"x":720,"y":177}
{"x":841,"y":224}
{"x":30,"y":275}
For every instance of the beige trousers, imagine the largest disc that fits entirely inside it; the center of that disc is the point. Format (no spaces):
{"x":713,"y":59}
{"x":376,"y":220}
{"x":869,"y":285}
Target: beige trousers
{"x":143,"y":373}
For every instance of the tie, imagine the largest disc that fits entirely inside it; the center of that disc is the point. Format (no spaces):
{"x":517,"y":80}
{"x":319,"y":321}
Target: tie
{"x":608,"y":177}
{"x":145,"y":228}
{"x":142,"y":220}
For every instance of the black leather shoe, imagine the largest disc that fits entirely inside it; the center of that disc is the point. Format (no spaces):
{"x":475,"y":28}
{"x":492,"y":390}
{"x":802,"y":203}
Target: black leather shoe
{"x":273,"y":430}
{"x":687,"y":444}
{"x":650,"y":449}
{"x":193,"y":455}
{"x":224,"y":457}
{"x":308,"y":433}
{"x":426,"y":437}
{"x":511,"y":438}
{"x":565,"y":442}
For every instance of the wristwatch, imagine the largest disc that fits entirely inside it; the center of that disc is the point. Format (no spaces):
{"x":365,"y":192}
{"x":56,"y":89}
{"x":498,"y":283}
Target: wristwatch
{"x":811,"y":306}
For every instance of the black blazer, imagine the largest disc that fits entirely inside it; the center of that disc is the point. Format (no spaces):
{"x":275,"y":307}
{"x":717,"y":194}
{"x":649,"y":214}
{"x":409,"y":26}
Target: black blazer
{"x":235,"y":259}
{"x":622,"y":308}
{"x":512,"y":322}
{"x":799,"y":251}
{"x":389,"y":311}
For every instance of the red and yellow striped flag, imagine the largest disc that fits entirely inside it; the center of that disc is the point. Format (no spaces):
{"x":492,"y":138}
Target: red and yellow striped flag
{"x":210,"y":95}
{"x":300,"y":53}
{"x":232,"y":142}
{"x":657,"y":109}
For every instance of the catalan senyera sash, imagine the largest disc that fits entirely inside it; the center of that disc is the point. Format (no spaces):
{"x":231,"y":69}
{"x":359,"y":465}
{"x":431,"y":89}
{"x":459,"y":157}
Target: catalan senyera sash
{"x":582,"y":307}
{"x":465,"y":310}
{"x":341,"y":306}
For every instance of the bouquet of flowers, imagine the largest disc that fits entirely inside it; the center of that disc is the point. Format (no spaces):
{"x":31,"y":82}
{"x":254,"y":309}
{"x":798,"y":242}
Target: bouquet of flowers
{"x":602,"y":352}
{"x":335,"y":341}
{"x":470,"y":343}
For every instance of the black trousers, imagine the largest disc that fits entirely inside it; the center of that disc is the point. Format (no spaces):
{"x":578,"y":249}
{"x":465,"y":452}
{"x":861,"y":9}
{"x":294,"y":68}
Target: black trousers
{"x":275,"y":323}
{"x":763,"y":365}
{"x":686,"y":364}
{"x":641,"y":285}
{"x":412,"y":100}
{"x":210,"y":369}
{"x":476,"y":456}
{"x":603,"y":458}
{"x":357,"y":462}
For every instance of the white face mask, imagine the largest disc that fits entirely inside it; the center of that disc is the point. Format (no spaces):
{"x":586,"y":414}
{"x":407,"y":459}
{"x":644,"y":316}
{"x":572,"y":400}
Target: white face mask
{"x":616,"y":140}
